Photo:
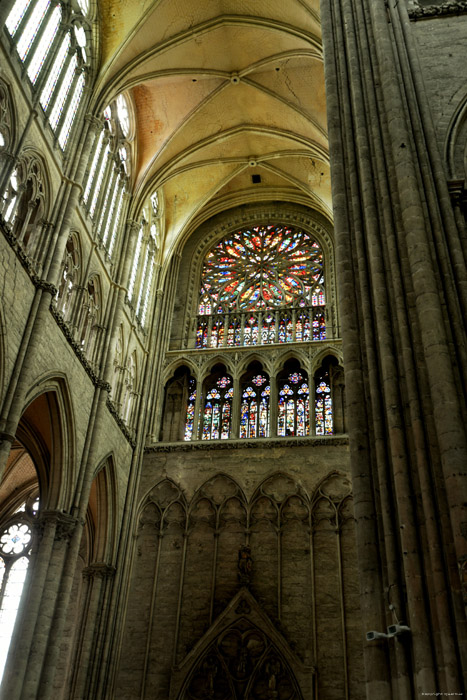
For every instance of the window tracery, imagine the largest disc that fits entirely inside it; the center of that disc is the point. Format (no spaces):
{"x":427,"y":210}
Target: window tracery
{"x":16,"y":544}
{"x":262,"y":285}
{"x":37,"y":28}
{"x":23,"y":206}
{"x":106,"y":179}
{"x":217,"y":410}
{"x":6,"y":121}
{"x":144,"y":261}
{"x":293,"y":416}
{"x":255,"y":406}
{"x":69,"y":277}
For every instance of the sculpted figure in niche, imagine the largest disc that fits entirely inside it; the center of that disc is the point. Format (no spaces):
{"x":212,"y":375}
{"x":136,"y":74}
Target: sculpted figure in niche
{"x":245,"y":565}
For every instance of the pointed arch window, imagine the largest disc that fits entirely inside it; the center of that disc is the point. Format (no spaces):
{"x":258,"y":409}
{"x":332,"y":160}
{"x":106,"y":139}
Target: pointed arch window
{"x":190,"y":410}
{"x":272,"y":277}
{"x":106,"y":180}
{"x":293,"y":413}
{"x":217,"y":411}
{"x":68,"y":280}
{"x":254,"y":409}
{"x":16,"y":544}
{"x":53,"y":49}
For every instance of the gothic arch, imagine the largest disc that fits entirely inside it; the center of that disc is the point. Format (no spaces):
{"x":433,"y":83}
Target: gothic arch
{"x":103,"y":498}
{"x":47,"y":430}
{"x":455,"y":148}
{"x":8,"y":118}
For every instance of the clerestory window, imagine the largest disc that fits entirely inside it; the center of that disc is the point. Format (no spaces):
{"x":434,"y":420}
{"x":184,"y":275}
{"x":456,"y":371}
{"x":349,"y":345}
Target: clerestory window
{"x":51,"y":41}
{"x":262,"y":285}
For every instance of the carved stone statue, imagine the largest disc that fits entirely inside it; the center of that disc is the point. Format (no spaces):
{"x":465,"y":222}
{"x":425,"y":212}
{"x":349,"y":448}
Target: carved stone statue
{"x":245,"y":565}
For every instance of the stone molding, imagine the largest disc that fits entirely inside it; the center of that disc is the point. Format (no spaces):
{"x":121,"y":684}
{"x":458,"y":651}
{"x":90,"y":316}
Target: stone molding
{"x":262,"y":443}
{"x":457,"y":7}
{"x":64,"y":524}
{"x":99,"y":570}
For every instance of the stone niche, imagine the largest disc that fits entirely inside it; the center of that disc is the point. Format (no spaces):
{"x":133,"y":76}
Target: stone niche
{"x":244,"y":578}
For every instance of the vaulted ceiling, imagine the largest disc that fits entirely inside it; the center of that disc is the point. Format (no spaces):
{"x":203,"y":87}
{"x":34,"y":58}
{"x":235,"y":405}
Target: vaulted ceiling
{"x":221,"y":90}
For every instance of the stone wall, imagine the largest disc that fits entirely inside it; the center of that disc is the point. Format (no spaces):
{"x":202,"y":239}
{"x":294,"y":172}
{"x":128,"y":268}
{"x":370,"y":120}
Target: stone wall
{"x":192,"y":593}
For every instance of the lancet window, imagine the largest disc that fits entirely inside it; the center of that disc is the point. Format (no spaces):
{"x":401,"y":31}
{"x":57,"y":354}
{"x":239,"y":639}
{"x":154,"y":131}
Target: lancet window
{"x":262,"y":285}
{"x":69,"y":277}
{"x":23,"y":206}
{"x":255,"y":405}
{"x":16,"y":543}
{"x":285,"y":405}
{"x":6,"y":120}
{"x":52,"y":42}
{"x":293,"y":413}
{"x":107,"y":175}
{"x":144,"y":261}
{"x":217,"y":407}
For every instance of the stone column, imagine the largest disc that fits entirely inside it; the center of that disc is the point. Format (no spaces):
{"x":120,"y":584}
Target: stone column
{"x":97,"y":575}
{"x":402,"y":398}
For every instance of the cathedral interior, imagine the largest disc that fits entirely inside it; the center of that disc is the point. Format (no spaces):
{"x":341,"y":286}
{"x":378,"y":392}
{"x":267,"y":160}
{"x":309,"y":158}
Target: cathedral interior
{"x":233,"y":360}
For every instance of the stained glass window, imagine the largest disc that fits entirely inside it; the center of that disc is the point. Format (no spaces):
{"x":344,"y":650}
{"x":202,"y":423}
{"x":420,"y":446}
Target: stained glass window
{"x":323,"y":406}
{"x":294,"y":406}
{"x":190,"y":411}
{"x":259,"y":272}
{"x":254,"y":409}
{"x":217,"y":412}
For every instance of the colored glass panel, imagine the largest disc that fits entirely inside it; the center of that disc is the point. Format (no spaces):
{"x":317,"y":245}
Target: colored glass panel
{"x":260,"y":268}
{"x":217,"y":411}
{"x":190,"y":411}
{"x":323,"y":409}
{"x":259,"y":380}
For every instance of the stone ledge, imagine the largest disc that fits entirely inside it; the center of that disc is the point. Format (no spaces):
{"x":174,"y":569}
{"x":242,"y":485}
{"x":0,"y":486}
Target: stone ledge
{"x":456,"y":7}
{"x":268,"y":443}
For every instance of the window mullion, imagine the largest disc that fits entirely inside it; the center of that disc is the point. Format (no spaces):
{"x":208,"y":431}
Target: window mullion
{"x":37,"y":39}
{"x":95,"y":173}
{"x":117,"y":218}
{"x":6,"y":7}
{"x":39,"y":85}
{"x":68,"y":99}
{"x":58,"y":86}
{"x":107,"y":202}
{"x":24,"y":21}
{"x":105,"y":183}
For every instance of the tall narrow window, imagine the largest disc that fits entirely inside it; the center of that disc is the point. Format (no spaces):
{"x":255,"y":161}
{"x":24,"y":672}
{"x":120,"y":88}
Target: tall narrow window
{"x":55,"y":71}
{"x":42,"y":50}
{"x":65,"y":87}
{"x":32,"y":27}
{"x":273,"y":277}
{"x":190,"y":410}
{"x":217,"y":412}
{"x":16,"y":15}
{"x":16,"y":542}
{"x":136,"y":260}
{"x":254,"y":410}
{"x":71,"y":112}
{"x":293,"y":413}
